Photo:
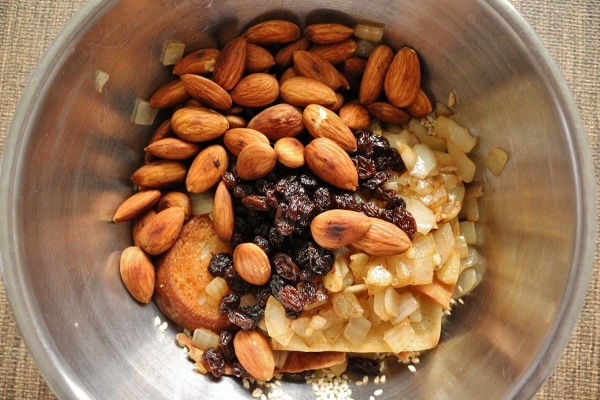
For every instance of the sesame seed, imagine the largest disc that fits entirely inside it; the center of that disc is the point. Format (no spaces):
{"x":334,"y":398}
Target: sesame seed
{"x":156,"y":321}
{"x":383,"y":379}
{"x":378,"y":392}
{"x":257,"y":393}
{"x":376,"y":380}
{"x":163,"y":327}
{"x":246,"y":384}
{"x":412,"y":368}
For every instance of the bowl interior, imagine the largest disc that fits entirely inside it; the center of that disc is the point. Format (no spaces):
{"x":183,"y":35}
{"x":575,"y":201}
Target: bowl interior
{"x":72,"y":149}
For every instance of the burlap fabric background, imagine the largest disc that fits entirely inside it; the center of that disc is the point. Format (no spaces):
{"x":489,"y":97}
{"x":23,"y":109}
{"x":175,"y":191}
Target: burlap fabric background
{"x":569,"y":28}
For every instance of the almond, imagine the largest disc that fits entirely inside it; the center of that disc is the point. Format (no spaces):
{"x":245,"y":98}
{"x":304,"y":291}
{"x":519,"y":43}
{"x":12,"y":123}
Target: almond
{"x":383,"y":239}
{"x":290,"y":152}
{"x":280,"y":120}
{"x":336,"y":107}
{"x":301,"y":91}
{"x":200,"y":62}
{"x":328,"y":32}
{"x":163,"y":130}
{"x":136,"y":204}
{"x":274,"y":31}
{"x":207,"y":168}
{"x":258,"y":59}
{"x":254,"y":353}
{"x":207,"y":91}
{"x":230,"y":64}
{"x":137,"y":273}
{"x":173,"y":149}
{"x":385,"y":112}
{"x":333,"y":229}
{"x":328,"y":161}
{"x":255,"y":161}
{"x":160,"y":232}
{"x":287,"y":74}
{"x":138,"y":225}
{"x":175,"y":199}
{"x":236,"y":121}
{"x":252,"y":263}
{"x":159,"y":174}
{"x":353,"y":69}
{"x":237,"y":138}
{"x":403,"y":78}
{"x":316,"y":67}
{"x":256,"y":90}
{"x":376,"y":68}
{"x":198,"y":124}
{"x":322,"y":122}
{"x":335,"y":53}
{"x":284,"y":57}
{"x":355,"y":116}
{"x":421,"y":105}
{"x":171,"y":93}
{"x":223,"y":217}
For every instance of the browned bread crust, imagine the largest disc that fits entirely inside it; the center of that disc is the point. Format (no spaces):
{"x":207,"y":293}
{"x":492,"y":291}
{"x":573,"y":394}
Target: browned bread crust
{"x":182,"y":275}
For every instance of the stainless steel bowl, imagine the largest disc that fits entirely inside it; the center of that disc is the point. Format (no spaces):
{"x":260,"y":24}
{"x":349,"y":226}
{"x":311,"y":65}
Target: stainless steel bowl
{"x":72,"y":148}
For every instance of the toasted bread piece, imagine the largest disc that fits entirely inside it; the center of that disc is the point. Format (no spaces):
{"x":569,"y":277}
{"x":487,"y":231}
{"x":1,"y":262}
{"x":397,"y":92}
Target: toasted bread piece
{"x":182,"y":275}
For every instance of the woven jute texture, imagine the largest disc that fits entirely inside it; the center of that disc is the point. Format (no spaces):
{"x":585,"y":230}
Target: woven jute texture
{"x":568,"y":28}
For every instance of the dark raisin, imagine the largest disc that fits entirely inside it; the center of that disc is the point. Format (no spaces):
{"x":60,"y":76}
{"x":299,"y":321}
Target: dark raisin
{"x":361,"y":365}
{"x":228,"y":303}
{"x":364,"y":166}
{"x":377,"y":180}
{"x":383,"y":194}
{"x":230,"y":181}
{"x":226,"y":346}
{"x":397,"y":201}
{"x":308,"y":292}
{"x":255,"y":202}
{"x":246,"y":317}
{"x":309,"y":181}
{"x":215,"y":361}
{"x":284,"y":225}
{"x":239,"y":371}
{"x":285,"y":267}
{"x":220,"y":264}
{"x":237,"y":284}
{"x":242,"y":190}
{"x":364,"y":142}
{"x":263,"y":243}
{"x":291,"y":300}
{"x":276,"y":240}
{"x":262,"y":295}
{"x":322,"y":199}
{"x":276,"y":284}
{"x":369,"y":209}
{"x":315,"y":258}
{"x":403,"y":219}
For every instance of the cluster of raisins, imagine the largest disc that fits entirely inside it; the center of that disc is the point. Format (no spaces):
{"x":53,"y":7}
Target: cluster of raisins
{"x":217,"y":359}
{"x":275,"y":213}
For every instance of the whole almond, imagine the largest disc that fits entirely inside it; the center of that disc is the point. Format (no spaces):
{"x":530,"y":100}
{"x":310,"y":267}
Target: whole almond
{"x":336,"y":107}
{"x":403,"y":78}
{"x":162,"y":131}
{"x":207,"y":168}
{"x":335,"y":53}
{"x":237,"y":138}
{"x":258,"y":59}
{"x":173,"y":148}
{"x":280,"y":120}
{"x":355,"y":116}
{"x":316,"y":67}
{"x":328,"y":32}
{"x":159,"y":174}
{"x":284,"y":57}
{"x":139,"y":223}
{"x":252,"y":263}
{"x":200,"y":62}
{"x":385,"y":112}
{"x":230,"y":64}
{"x":301,"y":91}
{"x":256,"y":90}
{"x":333,"y":229}
{"x":223,"y":217}
{"x":288,"y":73}
{"x":328,"y":161}
{"x":353,"y":69}
{"x":171,"y":93}
{"x":236,"y":121}
{"x":198,"y":124}
{"x":255,"y":161}
{"x":175,"y":198}
{"x":137,"y":273}
{"x":254,"y":353}
{"x":290,"y":152}
{"x":376,"y":68}
{"x":421,"y":105}
{"x":383,"y":239}
{"x":135,"y":205}
{"x":274,"y":31}
{"x":207,"y":91}
{"x":160,"y":232}
{"x":324,"y":123}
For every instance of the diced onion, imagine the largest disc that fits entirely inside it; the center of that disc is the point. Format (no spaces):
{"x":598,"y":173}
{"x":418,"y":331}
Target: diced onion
{"x":467,"y":229}
{"x":399,"y":336}
{"x":369,"y":30}
{"x":202,"y":203}
{"x":276,"y":321}
{"x":378,"y":275}
{"x":217,"y":288}
{"x":172,"y":52}
{"x":444,"y":241}
{"x":455,"y":133}
{"x":204,"y":339}
{"x":407,"y":305}
{"x":424,"y":217}
{"x":496,"y":160}
{"x":357,"y":329}
{"x":465,"y":167}
{"x":101,"y":79}
{"x":425,"y":162}
{"x":143,"y":114}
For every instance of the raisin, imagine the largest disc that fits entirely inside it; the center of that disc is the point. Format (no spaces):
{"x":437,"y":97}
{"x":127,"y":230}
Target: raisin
{"x":255,"y":202}
{"x":230,"y":180}
{"x":246,"y":317}
{"x":361,"y":365}
{"x":220,"y":264}
{"x":276,"y":284}
{"x":215,"y":361}
{"x":364,"y":166}
{"x":397,"y":201}
{"x":292,"y":301}
{"x":315,"y":258}
{"x":262,"y":295}
{"x":239,"y":371}
{"x":237,"y":284}
{"x":403,"y":219}
{"x":228,"y":303}
{"x":377,"y":180}
{"x":309,"y":181}
{"x":226,"y":346}
{"x":364,"y":143}
{"x":285,"y":267}
{"x":322,"y":199}
{"x":263,"y":243}
{"x":242,"y":190}
{"x":308,"y":292}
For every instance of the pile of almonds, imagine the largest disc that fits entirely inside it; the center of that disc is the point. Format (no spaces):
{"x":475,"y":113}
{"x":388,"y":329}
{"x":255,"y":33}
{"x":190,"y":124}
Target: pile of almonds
{"x":248,"y":103}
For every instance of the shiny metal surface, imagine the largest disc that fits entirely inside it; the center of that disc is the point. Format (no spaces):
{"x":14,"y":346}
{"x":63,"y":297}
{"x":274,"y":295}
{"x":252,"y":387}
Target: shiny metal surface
{"x":71,"y":150}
